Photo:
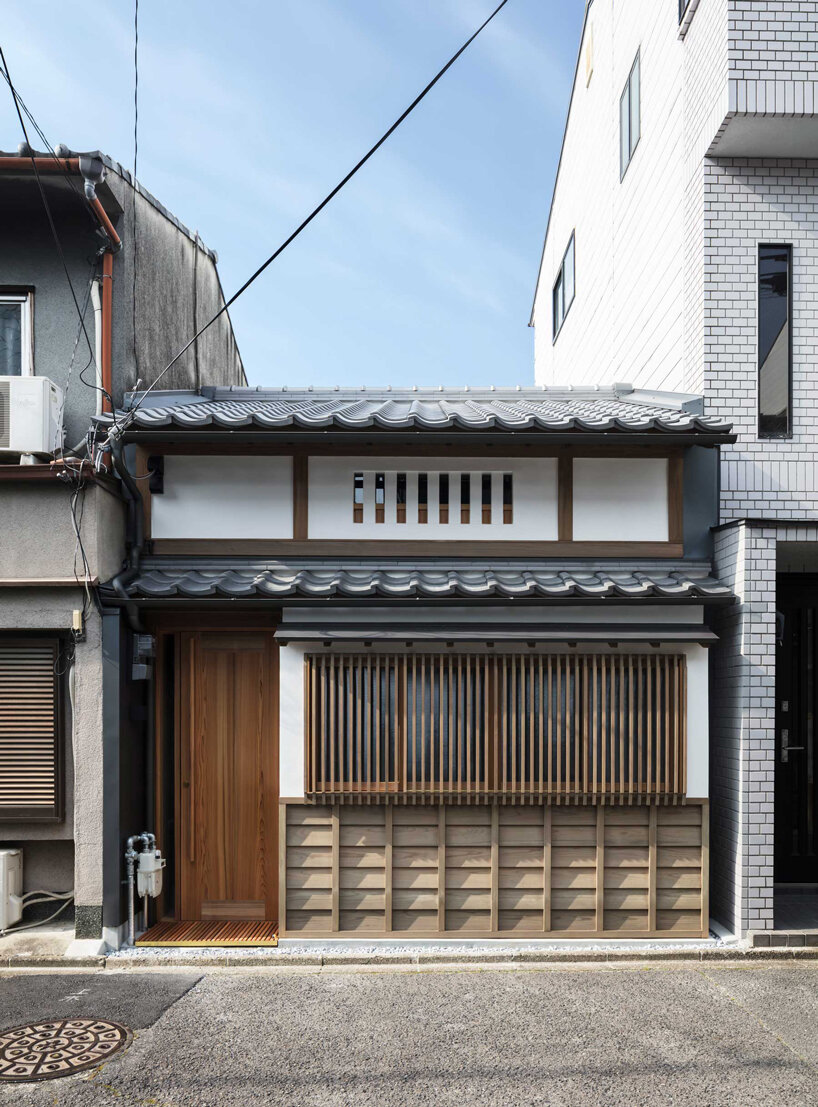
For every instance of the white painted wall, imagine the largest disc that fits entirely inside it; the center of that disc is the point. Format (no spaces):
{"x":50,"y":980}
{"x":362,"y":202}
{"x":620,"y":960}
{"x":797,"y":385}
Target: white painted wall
{"x":291,"y":720}
{"x":535,"y":499}
{"x":224,"y":497}
{"x":620,"y":499}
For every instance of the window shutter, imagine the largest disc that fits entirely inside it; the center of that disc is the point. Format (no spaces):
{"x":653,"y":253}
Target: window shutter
{"x":30,"y":778}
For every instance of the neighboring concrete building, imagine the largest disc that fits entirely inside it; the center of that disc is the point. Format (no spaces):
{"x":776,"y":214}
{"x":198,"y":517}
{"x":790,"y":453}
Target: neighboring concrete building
{"x":682,"y":253}
{"x":427,"y":663}
{"x":143,"y":283}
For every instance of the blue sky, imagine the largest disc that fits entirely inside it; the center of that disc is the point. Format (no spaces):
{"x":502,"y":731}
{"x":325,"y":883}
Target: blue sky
{"x":422,"y":270}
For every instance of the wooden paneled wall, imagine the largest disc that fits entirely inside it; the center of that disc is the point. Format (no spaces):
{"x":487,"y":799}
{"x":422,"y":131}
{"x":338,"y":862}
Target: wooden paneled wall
{"x":494,"y":870}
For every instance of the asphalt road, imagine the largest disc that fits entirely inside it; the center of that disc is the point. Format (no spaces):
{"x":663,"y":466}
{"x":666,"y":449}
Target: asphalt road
{"x":667,"y":1034}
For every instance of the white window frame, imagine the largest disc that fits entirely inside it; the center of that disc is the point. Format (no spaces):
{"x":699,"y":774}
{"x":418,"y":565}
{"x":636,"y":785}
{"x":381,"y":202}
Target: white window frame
{"x":627,"y":98}
{"x":560,"y":305}
{"x":26,"y":299}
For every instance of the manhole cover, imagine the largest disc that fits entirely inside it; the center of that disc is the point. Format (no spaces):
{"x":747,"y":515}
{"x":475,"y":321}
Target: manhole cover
{"x":46,"y":1050}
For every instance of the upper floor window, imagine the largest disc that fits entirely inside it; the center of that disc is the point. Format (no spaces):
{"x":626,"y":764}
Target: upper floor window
{"x":774,"y":341}
{"x":390,"y":493}
{"x":15,"y":335}
{"x":563,"y":295}
{"x":629,"y":118}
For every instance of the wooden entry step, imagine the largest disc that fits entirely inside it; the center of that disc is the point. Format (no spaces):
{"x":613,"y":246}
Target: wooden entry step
{"x":212,"y":934}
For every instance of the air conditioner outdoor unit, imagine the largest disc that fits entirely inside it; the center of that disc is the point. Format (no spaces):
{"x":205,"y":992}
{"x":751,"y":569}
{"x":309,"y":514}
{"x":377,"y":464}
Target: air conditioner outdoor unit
{"x":29,"y":415}
{"x":11,"y":887}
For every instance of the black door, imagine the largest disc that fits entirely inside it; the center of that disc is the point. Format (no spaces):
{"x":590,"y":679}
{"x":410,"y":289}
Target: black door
{"x":796,"y":803}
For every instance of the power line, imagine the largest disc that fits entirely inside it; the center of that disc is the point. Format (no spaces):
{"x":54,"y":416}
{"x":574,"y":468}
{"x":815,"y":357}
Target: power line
{"x":316,"y":211}
{"x":47,"y":207}
{"x":135,"y":245}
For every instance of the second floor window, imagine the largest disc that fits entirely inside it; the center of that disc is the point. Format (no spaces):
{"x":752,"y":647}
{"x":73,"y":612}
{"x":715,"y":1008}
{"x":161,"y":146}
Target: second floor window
{"x":774,"y":341}
{"x":15,"y":335}
{"x":630,"y":124}
{"x":563,"y":295}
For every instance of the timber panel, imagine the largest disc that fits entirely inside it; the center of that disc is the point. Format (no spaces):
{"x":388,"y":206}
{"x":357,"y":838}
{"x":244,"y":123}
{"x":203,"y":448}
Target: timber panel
{"x":492,"y":870}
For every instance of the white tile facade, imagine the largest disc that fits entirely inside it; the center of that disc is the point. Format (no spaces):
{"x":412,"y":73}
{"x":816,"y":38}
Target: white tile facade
{"x":738,"y":65}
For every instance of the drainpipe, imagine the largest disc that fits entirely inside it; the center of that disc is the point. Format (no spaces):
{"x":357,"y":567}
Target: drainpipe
{"x":106,"y":330}
{"x":135,"y":537}
{"x":97,"y":302}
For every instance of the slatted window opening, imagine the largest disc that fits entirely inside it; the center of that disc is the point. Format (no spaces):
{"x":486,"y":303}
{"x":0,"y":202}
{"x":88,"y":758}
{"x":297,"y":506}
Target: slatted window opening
{"x":30,"y":786}
{"x":607,"y":727}
{"x":432,"y":498}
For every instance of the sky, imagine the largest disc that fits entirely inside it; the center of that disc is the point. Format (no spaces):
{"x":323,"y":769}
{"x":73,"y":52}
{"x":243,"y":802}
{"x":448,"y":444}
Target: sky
{"x":422,"y":270}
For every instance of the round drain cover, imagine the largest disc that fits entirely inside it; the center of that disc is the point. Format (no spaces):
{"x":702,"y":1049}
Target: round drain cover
{"x":46,"y":1050}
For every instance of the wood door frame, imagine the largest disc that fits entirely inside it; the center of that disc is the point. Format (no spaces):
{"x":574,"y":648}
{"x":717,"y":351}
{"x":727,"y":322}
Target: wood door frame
{"x":175,"y":624}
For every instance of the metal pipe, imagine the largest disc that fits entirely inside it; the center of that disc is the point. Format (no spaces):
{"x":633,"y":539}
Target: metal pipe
{"x":106,"y":351}
{"x":148,"y":842}
{"x":97,"y":302}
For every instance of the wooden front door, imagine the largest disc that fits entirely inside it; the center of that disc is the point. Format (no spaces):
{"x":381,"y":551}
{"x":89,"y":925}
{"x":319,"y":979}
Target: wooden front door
{"x":796,"y":770}
{"x":227,"y":773}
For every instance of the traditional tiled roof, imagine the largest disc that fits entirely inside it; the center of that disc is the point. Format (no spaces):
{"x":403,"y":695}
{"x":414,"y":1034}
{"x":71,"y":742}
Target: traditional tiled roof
{"x":617,"y":409}
{"x":164,"y":580}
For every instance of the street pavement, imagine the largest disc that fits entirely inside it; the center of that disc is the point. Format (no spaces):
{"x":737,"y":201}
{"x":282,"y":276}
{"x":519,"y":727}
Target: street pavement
{"x":660,"y":1034}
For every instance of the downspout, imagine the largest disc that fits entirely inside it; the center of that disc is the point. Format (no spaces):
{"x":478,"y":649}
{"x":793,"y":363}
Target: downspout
{"x":135,"y":540}
{"x":97,"y":302}
{"x":106,"y":331}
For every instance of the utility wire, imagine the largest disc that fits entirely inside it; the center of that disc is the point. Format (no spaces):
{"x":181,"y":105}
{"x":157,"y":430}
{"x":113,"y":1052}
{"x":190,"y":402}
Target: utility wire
{"x":133,"y":182}
{"x":316,"y":211}
{"x":47,"y":207}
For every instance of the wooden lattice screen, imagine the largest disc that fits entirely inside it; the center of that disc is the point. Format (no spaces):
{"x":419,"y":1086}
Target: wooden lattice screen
{"x":30,"y":786}
{"x":447,"y":726}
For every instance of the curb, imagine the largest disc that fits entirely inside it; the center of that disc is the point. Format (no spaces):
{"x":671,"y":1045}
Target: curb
{"x":415,"y":960}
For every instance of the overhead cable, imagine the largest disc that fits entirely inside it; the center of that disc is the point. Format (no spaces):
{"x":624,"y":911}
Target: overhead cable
{"x":316,"y":211}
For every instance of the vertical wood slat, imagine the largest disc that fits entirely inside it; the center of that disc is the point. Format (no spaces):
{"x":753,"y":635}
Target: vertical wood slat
{"x":618,"y":722}
{"x":652,"y":851}
{"x":441,"y":868}
{"x":336,"y":867}
{"x":387,"y":866}
{"x":600,"y":868}
{"x":282,"y":866}
{"x":495,"y":868}
{"x":546,"y":884}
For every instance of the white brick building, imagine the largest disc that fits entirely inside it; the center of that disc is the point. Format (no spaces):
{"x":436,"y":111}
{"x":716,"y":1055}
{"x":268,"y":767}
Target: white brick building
{"x":686,"y":190}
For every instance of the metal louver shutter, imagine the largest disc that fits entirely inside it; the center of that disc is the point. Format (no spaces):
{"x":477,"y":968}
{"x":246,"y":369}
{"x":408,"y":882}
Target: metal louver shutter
{"x":5,"y":415}
{"x":30,"y":784}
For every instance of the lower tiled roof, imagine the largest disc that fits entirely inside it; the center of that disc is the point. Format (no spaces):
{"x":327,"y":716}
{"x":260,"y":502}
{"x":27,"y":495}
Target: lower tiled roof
{"x":240,"y":581}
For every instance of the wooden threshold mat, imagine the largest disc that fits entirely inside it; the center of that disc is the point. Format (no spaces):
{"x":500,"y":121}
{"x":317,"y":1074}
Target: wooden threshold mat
{"x":210,"y":934}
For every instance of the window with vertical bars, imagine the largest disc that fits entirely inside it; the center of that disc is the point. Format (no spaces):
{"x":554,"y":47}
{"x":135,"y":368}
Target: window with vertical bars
{"x":576,"y":726}
{"x":436,"y":498}
{"x":30,"y":778}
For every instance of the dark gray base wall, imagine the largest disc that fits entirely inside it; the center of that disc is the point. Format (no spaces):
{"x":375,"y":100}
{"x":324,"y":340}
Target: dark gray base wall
{"x":88,"y":921}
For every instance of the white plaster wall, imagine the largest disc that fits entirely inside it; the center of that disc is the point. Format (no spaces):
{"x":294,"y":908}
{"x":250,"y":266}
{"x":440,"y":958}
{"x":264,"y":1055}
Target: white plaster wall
{"x":224,"y":497}
{"x":291,"y":721}
{"x":535,"y":499}
{"x":620,"y":499}
{"x":626,"y":320}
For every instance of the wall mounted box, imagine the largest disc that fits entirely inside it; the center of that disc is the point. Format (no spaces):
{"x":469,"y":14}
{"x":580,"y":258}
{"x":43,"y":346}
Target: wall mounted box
{"x":29,"y":415}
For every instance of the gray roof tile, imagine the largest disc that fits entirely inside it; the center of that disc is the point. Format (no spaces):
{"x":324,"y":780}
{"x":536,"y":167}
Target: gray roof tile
{"x":535,"y":409}
{"x":547,"y":584}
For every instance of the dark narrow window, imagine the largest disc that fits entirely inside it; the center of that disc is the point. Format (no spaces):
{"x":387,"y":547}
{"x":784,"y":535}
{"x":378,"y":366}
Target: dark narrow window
{"x":423,"y":497}
{"x":443,"y":494}
{"x":400,"y":497}
{"x":563,"y":295}
{"x":358,"y":498}
{"x":465,"y":497}
{"x":774,"y":341}
{"x":508,"y":497}
{"x":380,"y":497}
{"x":485,"y":498}
{"x":630,"y":126}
